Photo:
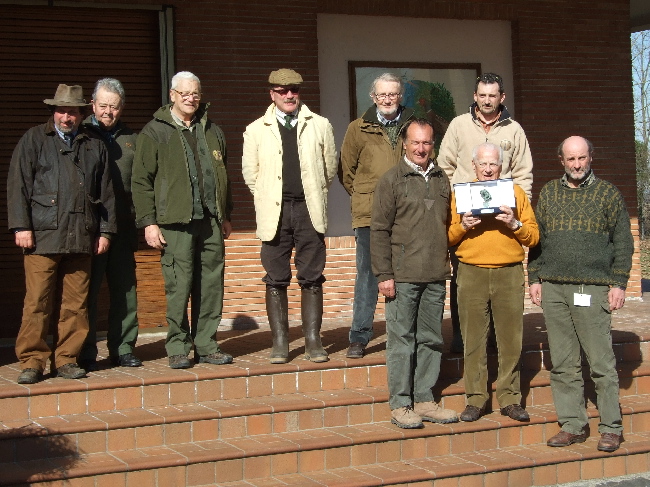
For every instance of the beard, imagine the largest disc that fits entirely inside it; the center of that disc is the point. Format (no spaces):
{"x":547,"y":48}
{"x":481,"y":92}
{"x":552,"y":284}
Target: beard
{"x":577,"y":176}
{"x":388,"y":111}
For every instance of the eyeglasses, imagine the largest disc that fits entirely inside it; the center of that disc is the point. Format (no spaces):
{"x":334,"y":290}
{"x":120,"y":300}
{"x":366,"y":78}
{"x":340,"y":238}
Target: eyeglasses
{"x":285,"y":91}
{"x":186,"y":94}
{"x":383,"y":96}
{"x":485,"y":165}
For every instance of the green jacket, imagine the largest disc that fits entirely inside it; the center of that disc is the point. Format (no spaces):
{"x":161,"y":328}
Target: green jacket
{"x":408,"y":233}
{"x":366,"y":154}
{"x":161,"y":186}
{"x":121,"y":151}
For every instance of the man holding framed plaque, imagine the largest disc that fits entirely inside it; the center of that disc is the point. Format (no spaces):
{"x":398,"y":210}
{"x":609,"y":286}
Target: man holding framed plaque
{"x":487,"y":120}
{"x":495,"y":222}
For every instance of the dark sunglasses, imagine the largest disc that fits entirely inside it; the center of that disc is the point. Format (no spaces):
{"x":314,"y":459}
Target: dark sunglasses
{"x":284,"y":91}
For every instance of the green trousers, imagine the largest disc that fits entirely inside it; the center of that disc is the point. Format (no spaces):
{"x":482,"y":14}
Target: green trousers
{"x":118,"y":265}
{"x":193,"y":264}
{"x":573,"y":327}
{"x":414,"y":341}
{"x":502,"y":290}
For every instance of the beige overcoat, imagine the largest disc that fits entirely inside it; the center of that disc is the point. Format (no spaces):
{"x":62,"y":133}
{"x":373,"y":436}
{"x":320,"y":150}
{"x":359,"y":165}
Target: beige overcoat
{"x":262,"y":167}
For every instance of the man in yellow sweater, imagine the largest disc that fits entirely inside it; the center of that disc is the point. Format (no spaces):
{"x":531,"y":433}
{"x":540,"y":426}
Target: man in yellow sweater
{"x":491,"y":275}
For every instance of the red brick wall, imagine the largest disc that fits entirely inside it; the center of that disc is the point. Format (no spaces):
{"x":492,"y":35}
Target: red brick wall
{"x":572,"y":75}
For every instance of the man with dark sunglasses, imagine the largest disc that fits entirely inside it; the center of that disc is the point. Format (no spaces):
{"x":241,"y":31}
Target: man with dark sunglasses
{"x":289,"y":162}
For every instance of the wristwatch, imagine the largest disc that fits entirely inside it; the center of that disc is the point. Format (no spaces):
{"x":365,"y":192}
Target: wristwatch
{"x":519,"y":225}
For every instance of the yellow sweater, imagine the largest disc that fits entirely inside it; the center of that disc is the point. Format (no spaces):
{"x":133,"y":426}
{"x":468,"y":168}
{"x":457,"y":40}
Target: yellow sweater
{"x":491,"y":243}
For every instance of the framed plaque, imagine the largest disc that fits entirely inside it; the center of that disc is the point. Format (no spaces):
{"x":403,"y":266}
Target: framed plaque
{"x":484,"y":197}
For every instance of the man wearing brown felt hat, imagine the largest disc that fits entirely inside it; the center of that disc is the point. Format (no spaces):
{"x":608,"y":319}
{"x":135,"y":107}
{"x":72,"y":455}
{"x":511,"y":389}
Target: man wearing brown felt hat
{"x":61,"y":210}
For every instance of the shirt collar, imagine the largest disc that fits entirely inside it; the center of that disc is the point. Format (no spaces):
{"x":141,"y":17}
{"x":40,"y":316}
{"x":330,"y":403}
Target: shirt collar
{"x":280,"y":115}
{"x":384,"y":121}
{"x":180,"y":122}
{"x":109,"y":135}
{"x":63,"y":136}
{"x":424,"y":172}
{"x":589,"y":180}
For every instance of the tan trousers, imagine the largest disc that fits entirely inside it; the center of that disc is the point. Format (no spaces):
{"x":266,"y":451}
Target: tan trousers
{"x":50,"y":279}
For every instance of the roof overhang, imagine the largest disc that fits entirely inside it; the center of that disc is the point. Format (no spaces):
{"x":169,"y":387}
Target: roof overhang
{"x":639,"y":15}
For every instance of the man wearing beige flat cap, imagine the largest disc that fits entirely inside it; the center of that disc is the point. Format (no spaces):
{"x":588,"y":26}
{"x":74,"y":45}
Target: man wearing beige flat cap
{"x":289,"y":162}
{"x":61,"y":209}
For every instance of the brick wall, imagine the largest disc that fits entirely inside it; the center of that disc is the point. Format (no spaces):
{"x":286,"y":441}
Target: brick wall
{"x":572,"y":75}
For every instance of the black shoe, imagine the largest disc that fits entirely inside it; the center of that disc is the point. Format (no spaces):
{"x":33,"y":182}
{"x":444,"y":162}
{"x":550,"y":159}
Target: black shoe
{"x":70,"y":371}
{"x":88,"y":365}
{"x":216,"y":358}
{"x":126,"y":360}
{"x":471,"y":413}
{"x":516,"y":412}
{"x":356,"y":350}
{"x":179,"y":362}
{"x":30,"y":376}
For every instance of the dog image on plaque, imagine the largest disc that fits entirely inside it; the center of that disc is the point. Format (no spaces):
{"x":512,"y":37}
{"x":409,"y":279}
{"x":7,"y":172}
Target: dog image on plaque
{"x":484,"y":197}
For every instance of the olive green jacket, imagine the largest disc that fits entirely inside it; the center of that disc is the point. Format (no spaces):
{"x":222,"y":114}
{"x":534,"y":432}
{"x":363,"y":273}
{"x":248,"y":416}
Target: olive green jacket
{"x":366,"y":154}
{"x":160,"y":184}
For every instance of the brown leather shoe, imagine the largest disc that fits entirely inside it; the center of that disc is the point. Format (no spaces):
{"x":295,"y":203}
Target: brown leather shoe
{"x":356,"y":350}
{"x":471,"y":413}
{"x":516,"y":412}
{"x":564,"y":438}
{"x":609,"y":442}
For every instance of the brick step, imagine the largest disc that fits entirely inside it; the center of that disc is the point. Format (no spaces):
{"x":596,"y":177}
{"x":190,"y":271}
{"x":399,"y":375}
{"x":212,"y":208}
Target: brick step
{"x":221,"y":419}
{"x":155,"y":385}
{"x":454,"y":449}
{"x":517,"y":466}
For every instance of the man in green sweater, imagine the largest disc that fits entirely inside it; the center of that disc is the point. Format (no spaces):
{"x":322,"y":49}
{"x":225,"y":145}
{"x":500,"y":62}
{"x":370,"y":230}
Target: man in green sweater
{"x":578,"y":274}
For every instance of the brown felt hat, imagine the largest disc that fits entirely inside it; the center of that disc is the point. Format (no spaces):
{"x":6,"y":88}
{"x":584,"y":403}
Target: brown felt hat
{"x":285,"y":77}
{"x":67,"y":96}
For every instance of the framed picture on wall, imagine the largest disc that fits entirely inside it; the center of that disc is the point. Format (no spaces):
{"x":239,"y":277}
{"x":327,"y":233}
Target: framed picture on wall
{"x":438,"y":92}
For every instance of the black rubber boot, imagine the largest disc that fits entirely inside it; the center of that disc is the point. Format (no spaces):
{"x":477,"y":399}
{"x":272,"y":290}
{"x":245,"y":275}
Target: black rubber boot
{"x":312,"y":319}
{"x":277,"y":309}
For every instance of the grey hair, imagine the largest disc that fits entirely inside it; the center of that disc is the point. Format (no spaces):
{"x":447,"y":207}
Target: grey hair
{"x":488,"y":146}
{"x":111,"y":85}
{"x":181,"y":75}
{"x":389,"y":78}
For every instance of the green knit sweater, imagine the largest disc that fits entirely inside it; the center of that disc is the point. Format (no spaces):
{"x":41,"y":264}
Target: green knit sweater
{"x":585,"y":235}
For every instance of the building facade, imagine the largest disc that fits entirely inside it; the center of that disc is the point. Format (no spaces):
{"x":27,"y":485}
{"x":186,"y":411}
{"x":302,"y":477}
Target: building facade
{"x":566,"y":66}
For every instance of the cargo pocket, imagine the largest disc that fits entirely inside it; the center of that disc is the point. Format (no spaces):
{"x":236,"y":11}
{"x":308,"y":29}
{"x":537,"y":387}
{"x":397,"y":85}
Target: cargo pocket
{"x":168,"y":271}
{"x":45,"y":211}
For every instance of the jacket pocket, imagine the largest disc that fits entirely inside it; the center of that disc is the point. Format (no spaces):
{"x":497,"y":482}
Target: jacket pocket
{"x":161,"y":198}
{"x":93,"y":209}
{"x":221,"y":186}
{"x":361,"y":199}
{"x":400,"y":258}
{"x":45,"y":211}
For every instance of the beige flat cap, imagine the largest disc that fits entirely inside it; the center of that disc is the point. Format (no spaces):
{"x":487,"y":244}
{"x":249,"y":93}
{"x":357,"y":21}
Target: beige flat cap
{"x":284,"y":77}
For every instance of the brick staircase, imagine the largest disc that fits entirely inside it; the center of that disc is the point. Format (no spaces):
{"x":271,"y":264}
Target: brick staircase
{"x":302,"y":424}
